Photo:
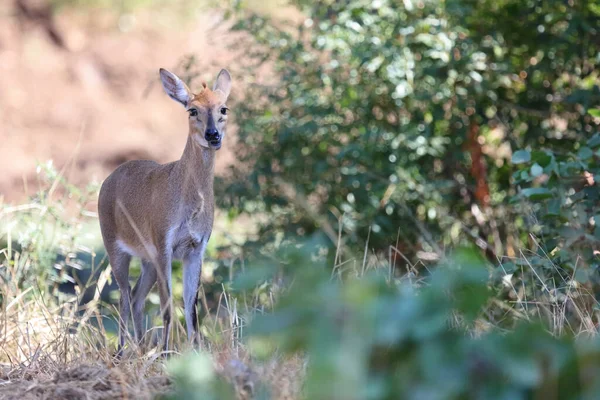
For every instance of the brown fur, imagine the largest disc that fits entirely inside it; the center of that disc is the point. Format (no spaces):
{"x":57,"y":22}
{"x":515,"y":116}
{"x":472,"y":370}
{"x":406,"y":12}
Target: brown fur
{"x":161,"y":212}
{"x":208,"y":98}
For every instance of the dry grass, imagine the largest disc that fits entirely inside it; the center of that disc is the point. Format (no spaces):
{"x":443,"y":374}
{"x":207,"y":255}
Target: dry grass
{"x":53,"y":351}
{"x":49,"y":351}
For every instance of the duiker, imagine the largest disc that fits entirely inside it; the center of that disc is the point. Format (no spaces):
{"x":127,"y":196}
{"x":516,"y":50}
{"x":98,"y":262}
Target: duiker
{"x":161,"y":212}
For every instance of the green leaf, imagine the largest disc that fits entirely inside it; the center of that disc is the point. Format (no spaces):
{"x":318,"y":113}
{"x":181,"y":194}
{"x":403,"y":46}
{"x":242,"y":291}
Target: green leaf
{"x":594,"y":141}
{"x":536,"y":193}
{"x":595,"y":112}
{"x":536,"y":170}
{"x":569,"y":232}
{"x":541,"y":157}
{"x":509,"y":267}
{"x":585,"y":153}
{"x":521,"y":156}
{"x":554,"y":207}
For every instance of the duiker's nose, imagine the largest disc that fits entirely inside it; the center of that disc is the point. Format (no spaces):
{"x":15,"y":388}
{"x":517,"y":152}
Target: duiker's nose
{"x":211,"y":134}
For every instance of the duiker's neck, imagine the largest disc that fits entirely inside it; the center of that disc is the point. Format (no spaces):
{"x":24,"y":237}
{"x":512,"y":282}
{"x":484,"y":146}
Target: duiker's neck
{"x":197,"y":166}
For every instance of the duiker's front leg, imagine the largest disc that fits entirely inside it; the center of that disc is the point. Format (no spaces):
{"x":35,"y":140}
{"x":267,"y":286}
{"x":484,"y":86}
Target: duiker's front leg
{"x":192,"y":268}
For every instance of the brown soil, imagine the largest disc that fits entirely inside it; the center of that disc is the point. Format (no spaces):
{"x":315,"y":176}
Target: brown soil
{"x":83,"y":86}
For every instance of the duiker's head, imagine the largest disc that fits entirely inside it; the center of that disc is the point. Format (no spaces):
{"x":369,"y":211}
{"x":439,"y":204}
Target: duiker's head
{"x":207,"y":109}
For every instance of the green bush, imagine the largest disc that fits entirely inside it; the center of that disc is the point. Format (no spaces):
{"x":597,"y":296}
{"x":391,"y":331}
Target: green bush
{"x":366,"y":337}
{"x":559,"y":197}
{"x":560,"y":191}
{"x":397,"y":118}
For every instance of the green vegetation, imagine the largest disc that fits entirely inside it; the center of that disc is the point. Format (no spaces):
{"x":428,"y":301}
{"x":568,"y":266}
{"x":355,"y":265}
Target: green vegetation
{"x":425,"y":179}
{"x":397,"y":118}
{"x":366,"y":337}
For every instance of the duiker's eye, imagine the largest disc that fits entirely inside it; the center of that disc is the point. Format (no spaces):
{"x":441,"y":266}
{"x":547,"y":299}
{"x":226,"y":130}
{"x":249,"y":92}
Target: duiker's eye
{"x":224,"y":110}
{"x":193,"y":112}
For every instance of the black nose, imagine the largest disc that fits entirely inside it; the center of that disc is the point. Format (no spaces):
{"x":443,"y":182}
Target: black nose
{"x":211,"y":135}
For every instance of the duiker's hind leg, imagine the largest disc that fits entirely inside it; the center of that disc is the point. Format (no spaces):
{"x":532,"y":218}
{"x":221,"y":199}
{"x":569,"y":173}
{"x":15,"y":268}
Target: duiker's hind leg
{"x":163,"y":275}
{"x":140,"y":291}
{"x":119,"y":261}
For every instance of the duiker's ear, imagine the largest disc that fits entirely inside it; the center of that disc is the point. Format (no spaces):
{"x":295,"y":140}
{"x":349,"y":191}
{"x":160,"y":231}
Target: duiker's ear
{"x":223,"y":83}
{"x":175,"y":87}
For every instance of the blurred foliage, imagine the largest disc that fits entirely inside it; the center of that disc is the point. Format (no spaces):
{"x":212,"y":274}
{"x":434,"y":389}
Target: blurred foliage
{"x":562,"y":191}
{"x":195,"y":378}
{"x":390,"y":118}
{"x":559,"y":195}
{"x":368,"y":337}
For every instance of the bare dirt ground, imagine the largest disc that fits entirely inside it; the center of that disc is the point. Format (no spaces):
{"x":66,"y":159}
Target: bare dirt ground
{"x":85,"y":88}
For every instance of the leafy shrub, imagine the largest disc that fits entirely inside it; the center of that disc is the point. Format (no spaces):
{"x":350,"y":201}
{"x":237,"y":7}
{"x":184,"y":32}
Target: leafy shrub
{"x":195,"y":378}
{"x":393,"y":118}
{"x":563,"y":195}
{"x":366,"y":337}
{"x":559,"y":195}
